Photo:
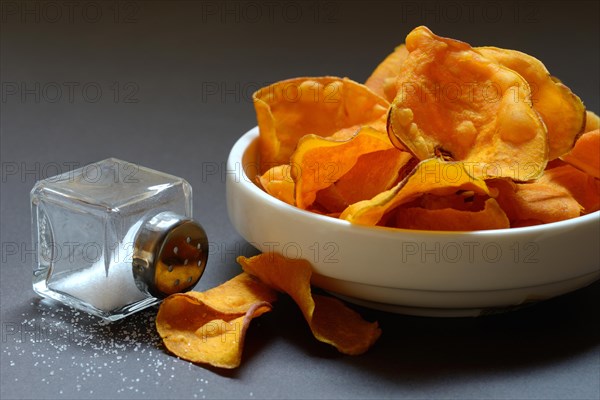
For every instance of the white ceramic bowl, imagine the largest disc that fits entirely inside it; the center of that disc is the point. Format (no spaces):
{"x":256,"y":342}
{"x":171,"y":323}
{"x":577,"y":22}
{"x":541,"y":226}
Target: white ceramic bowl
{"x":415,"y":272}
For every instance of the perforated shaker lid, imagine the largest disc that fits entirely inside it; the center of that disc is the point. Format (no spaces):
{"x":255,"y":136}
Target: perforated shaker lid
{"x":169,"y":254}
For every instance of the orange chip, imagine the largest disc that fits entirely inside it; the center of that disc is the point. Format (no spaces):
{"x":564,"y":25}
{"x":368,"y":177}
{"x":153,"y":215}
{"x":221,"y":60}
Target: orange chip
{"x":455,"y":103}
{"x":432,"y":176}
{"x":331,"y":200}
{"x":584,"y":188}
{"x":586,"y":154}
{"x":383,"y":80}
{"x":329,"y":319}
{"x":290,"y":109}
{"x":373,"y":173}
{"x":319,"y":162}
{"x":592,"y":121}
{"x":210,"y":327}
{"x":451,"y":219}
{"x":278,"y":182}
{"x":536,"y":201}
{"x":562,"y":111}
{"x":462,"y":200}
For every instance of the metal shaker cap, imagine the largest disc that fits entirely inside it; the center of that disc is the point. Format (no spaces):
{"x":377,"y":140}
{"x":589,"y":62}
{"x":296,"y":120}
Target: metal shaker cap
{"x":169,"y":254}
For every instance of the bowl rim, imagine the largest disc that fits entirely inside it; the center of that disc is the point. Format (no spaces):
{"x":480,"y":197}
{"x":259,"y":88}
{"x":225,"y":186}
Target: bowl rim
{"x":238,"y":151}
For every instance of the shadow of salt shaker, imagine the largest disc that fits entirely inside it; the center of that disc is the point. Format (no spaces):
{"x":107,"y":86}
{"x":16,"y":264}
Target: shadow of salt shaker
{"x":113,"y":238}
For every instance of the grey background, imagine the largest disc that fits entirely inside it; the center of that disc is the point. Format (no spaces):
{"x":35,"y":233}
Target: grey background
{"x":175,"y":80}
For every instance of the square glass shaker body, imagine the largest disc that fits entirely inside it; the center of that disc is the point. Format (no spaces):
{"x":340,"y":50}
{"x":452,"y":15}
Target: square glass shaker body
{"x":84,"y":223}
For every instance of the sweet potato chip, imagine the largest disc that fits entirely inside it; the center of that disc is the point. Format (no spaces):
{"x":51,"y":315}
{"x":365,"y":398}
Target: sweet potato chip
{"x":592,"y":121}
{"x":562,"y":111}
{"x":586,"y":154}
{"x":290,"y":109}
{"x":278,"y":182}
{"x":210,"y":327}
{"x":584,"y":188}
{"x":455,"y":103}
{"x":462,"y":200}
{"x":372,"y":174}
{"x":329,"y":319}
{"x":319,"y":162}
{"x":543,"y":202}
{"x":451,"y":219}
{"x":433,"y":176}
{"x":331,"y":200}
{"x":383,"y":79}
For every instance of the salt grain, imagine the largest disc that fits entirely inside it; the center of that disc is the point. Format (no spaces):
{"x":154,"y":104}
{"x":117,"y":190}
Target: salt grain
{"x":71,"y":352}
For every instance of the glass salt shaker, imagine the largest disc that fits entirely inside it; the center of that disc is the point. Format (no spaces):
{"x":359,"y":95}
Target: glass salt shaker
{"x":113,"y":238}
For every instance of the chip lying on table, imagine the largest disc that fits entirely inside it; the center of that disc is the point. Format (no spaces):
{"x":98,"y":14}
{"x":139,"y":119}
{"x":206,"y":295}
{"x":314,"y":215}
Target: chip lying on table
{"x":210,"y":327}
{"x":475,"y":138}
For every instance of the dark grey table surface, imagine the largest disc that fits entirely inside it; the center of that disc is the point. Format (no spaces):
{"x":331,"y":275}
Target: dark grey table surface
{"x":167,"y":85}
